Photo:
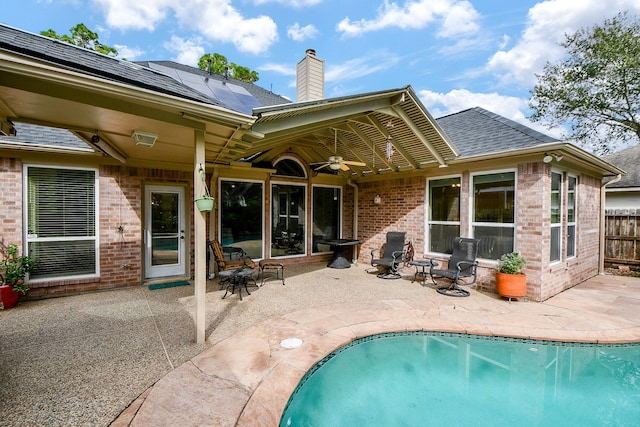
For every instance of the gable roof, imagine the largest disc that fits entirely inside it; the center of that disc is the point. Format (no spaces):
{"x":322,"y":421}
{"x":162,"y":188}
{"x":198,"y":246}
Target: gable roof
{"x":95,"y":64}
{"x":384,"y":132}
{"x":235,"y":94}
{"x":628,"y":160}
{"x":477,"y":131}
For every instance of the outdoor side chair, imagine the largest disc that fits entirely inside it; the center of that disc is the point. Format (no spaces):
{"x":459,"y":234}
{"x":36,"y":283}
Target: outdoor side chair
{"x":214,"y":247}
{"x":392,"y":254}
{"x":461,"y":270}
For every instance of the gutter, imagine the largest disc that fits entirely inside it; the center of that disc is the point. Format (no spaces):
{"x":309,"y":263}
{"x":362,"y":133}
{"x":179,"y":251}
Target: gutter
{"x":602,"y":216}
{"x":355,"y":218}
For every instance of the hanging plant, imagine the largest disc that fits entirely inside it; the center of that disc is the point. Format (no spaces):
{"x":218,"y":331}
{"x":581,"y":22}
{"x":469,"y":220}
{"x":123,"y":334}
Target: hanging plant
{"x":204,"y":203}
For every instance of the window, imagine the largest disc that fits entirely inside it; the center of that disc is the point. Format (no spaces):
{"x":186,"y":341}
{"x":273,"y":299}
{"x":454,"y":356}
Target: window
{"x":326,"y":215}
{"x":287,"y":219}
{"x":494,"y":213}
{"x":241,"y":216}
{"x":443,"y":222}
{"x":572,"y":184}
{"x":61,"y":206}
{"x":290,"y":167}
{"x":556,"y":216}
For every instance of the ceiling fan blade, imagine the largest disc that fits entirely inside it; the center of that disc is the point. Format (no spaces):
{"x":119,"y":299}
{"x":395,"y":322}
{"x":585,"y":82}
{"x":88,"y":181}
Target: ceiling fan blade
{"x":348,"y":162}
{"x":344,"y":167}
{"x":322,"y":167}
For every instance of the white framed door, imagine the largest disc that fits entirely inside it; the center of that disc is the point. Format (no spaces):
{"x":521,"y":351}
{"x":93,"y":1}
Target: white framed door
{"x":164,"y":231}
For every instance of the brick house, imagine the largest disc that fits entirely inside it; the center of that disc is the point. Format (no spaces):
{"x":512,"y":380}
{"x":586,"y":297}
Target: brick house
{"x":106,"y":200}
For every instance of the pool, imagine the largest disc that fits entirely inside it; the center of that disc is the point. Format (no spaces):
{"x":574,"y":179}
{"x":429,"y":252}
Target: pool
{"x":423,"y":378}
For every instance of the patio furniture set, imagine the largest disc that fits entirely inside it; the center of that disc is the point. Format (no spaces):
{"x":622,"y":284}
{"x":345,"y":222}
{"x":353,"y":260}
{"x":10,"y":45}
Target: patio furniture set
{"x":461,"y":268}
{"x":236,"y":270}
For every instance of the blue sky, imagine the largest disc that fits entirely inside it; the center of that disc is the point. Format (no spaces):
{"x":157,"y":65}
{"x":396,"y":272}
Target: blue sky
{"x":455,"y":54}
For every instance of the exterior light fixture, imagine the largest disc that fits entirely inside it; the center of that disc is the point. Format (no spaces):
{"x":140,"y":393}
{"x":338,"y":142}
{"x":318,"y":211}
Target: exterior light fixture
{"x":377,"y":200}
{"x":548,"y":157}
{"x":144,"y":139}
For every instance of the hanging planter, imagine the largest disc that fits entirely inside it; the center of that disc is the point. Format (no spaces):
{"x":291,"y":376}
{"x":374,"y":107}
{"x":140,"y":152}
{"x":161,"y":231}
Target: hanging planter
{"x":204,"y":203}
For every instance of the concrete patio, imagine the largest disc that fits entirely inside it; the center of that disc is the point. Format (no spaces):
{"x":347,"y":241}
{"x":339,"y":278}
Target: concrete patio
{"x":127,"y":357}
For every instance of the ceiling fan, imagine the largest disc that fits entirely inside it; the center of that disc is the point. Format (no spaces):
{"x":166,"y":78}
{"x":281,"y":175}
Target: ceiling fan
{"x":336,"y":162}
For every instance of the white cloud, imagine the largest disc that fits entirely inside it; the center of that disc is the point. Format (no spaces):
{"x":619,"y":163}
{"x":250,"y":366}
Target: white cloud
{"x":139,"y":15}
{"x":442,"y":104}
{"x":359,"y":67}
{"x":128,"y":53}
{"x":217,"y":20}
{"x":298,"y":33}
{"x":547,"y":24}
{"x":292,"y":3}
{"x":455,"y":18}
{"x":188,"y":51}
{"x":278,"y":69}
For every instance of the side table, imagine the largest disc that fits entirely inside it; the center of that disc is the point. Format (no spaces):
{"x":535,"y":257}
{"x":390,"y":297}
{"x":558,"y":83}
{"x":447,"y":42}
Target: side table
{"x":422,"y":264}
{"x":236,"y":279}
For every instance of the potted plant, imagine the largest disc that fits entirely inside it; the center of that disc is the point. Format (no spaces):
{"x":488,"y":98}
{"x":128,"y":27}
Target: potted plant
{"x":511,"y":282}
{"x":15,"y":267}
{"x":204,"y":203}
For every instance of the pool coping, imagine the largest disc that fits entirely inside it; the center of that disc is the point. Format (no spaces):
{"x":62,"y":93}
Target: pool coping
{"x":247,"y":379}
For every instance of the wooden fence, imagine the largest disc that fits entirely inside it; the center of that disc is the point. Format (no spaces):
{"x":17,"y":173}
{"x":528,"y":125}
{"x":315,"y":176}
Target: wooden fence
{"x":622,"y":236}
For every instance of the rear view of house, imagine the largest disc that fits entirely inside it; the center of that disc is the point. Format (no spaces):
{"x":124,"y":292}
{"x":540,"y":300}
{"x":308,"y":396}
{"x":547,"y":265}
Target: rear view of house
{"x":99,"y":181}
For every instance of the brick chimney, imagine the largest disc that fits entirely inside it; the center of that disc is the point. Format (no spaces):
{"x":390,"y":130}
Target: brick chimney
{"x":310,"y":77}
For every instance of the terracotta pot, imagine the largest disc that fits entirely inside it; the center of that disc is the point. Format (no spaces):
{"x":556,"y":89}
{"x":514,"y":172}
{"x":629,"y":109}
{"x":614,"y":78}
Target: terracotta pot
{"x":511,"y":285}
{"x":8,"y":296}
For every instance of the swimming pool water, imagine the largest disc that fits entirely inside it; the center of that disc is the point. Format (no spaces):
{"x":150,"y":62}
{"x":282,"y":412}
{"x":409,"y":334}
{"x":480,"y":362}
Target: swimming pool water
{"x":434,"y":379}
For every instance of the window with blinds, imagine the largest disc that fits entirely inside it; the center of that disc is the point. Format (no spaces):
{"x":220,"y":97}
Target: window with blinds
{"x":61,"y":221}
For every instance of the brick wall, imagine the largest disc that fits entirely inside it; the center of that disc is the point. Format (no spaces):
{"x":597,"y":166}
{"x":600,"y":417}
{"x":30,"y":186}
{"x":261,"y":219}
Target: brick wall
{"x":556,"y":277}
{"x":402,"y":209}
{"x":11,"y":201}
{"x":120,"y":220}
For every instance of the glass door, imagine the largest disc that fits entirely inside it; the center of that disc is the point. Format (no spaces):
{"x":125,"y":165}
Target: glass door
{"x":164,"y":231}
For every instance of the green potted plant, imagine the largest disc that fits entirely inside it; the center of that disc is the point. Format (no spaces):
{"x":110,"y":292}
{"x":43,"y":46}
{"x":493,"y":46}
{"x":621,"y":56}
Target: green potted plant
{"x":204,"y":203}
{"x":14,"y":269}
{"x":511,"y":282}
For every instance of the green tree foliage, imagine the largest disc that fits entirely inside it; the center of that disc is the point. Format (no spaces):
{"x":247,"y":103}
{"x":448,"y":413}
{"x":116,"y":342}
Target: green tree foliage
{"x":595,"y":90}
{"x":218,"y":64}
{"x":83,"y":37}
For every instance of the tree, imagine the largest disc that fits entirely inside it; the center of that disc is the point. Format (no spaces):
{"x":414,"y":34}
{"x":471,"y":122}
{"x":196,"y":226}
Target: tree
{"x":218,"y":64}
{"x":83,"y":37}
{"x":595,"y":90}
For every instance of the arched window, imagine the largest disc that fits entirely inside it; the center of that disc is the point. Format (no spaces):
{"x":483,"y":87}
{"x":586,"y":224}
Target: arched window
{"x":288,"y":166}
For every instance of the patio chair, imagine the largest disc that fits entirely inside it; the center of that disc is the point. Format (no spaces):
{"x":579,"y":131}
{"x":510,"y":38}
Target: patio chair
{"x":214,"y":247}
{"x":461,"y":270}
{"x":392,"y":254}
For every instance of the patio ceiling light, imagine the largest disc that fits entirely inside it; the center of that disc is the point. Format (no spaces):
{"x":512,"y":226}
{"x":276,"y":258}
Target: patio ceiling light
{"x":144,"y":139}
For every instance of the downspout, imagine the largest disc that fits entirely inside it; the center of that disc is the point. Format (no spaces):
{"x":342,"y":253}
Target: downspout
{"x":602,"y":217}
{"x":355,"y":219}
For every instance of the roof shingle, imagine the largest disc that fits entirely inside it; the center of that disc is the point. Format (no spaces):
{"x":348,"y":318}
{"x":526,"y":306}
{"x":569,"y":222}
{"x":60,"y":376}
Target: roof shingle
{"x":477,"y":131}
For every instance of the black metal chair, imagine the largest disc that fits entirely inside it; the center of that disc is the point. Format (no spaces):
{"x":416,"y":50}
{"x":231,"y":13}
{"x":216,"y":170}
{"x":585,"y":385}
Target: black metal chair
{"x":461,"y":270}
{"x":392,"y":254}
